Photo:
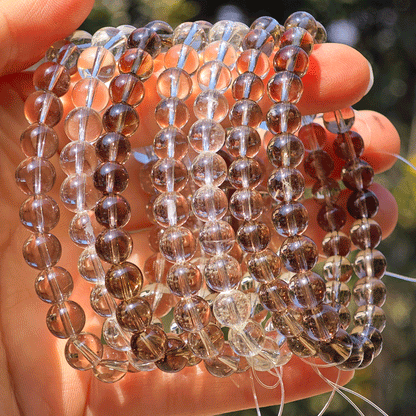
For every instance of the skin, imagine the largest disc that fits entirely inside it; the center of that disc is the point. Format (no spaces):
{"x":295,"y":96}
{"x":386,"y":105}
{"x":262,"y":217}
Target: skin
{"x":36,"y":379}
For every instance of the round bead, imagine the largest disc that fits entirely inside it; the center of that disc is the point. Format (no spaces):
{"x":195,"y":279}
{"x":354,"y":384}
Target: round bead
{"x":113,"y":367}
{"x":127,"y":89}
{"x":302,"y":345}
{"x":369,"y":291}
{"x":217,"y":237}
{"x":209,"y":203}
{"x":307,"y":290}
{"x":253,"y":236}
{"x":321,"y":35}
{"x":339,"y":121}
{"x":274,"y":295}
{"x":357,"y":354}
{"x":78,"y":157}
{"x":184,"y":279}
{"x":366,"y":233}
{"x":214,"y":75}
{"x":39,"y":213}
{"x":372,"y":315}
{"x":337,"y":293}
{"x":283,"y":118}
{"x":370,"y":263}
{"x":177,"y":244}
{"x":293,"y":59}
{"x":337,"y":268}
{"x":113,"y":147}
{"x":104,"y":305}
{"x":336,"y":243}
{"x":209,"y":168}
{"x":331,"y":217}
{"x":111,"y":177}
{"x":89,"y":266}
{"x":348,"y":145}
{"x":112,"y":211}
{"x":42,"y":250}
{"x":170,"y":142}
{"x":299,"y":253}
{"x":111,"y":38}
{"x":290,"y":219}
{"x":246,"y":204}
{"x":78,"y":193}
{"x":81,"y":230}
{"x":211,"y":104}
{"x":169,"y":175}
{"x":192,"y":34}
{"x":90,"y":92}
{"x":192,"y":313}
{"x":124,"y":281}
{"x":182,"y":56}
{"x":134,"y":314}
{"x":220,"y":51}
{"x":299,"y":37}
{"x":121,"y":118}
{"x":286,"y":184}
{"x":337,"y":350}
{"x":222,"y":272}
{"x":326,"y":191}
{"x":52,"y":77}
{"x":285,"y":150}
{"x":247,"y":341}
{"x":208,"y":343}
{"x":83,"y":123}
{"x":149,"y":345}
{"x":318,"y":164}
{"x":303,"y":20}
{"x":206,"y":135}
{"x":285,"y":86}
{"x":357,"y":174}
{"x":362,"y":204}
{"x":54,"y":285}
{"x":248,"y":86}
{"x":146,"y":39}
{"x":229,"y":31}
{"x":43,"y":107}
{"x":137,"y":62}
{"x":243,"y":141}
{"x":65,"y":319}
{"x":176,"y":356}
{"x":39,"y":140}
{"x":259,"y":39}
{"x":174,"y":82}
{"x":171,"y":112}
{"x":313,"y":136}
{"x":264,"y":266}
{"x":232,"y":308}
{"x":114,"y":245}
{"x":253,"y":61}
{"x":97,"y":62}
{"x":83,"y":351}
{"x":159,"y":297}
{"x":245,"y":172}
{"x":246,"y":113}
{"x":225,"y":364}
{"x":170,"y":208}
{"x":288,"y":323}
{"x":322,"y":323}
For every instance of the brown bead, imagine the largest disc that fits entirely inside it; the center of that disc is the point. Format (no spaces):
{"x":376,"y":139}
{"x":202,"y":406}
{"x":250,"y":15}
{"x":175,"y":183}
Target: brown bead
{"x":149,"y":345}
{"x":283,"y":118}
{"x":337,"y":293}
{"x":134,"y":314}
{"x":331,"y":217}
{"x":52,"y":77}
{"x":285,"y":150}
{"x":192,"y":313}
{"x":291,"y":58}
{"x":124,"y":281}
{"x":114,"y":245}
{"x":313,"y":136}
{"x":274,"y":295}
{"x":147,"y":39}
{"x":336,"y":243}
{"x":299,"y":253}
{"x":318,"y":164}
{"x":253,"y":236}
{"x":357,"y":354}
{"x":366,"y":233}
{"x":337,"y":350}
{"x":362,"y":204}
{"x":248,"y":86}
{"x":264,"y":266}
{"x":253,"y":61}
{"x":127,"y":89}
{"x":337,"y":268}
{"x":207,"y":344}
{"x":176,"y":355}
{"x":286,"y":184}
{"x":299,"y":37}
{"x":112,"y":211}
{"x":290,"y":219}
{"x":43,"y":107}
{"x":357,"y":174}
{"x":113,"y":147}
{"x":258,"y":39}
{"x":270,"y":25}
{"x":322,"y":323}
{"x":288,"y":323}
{"x":137,"y":62}
{"x":307,"y":290}
{"x":246,"y":113}
{"x":302,"y":345}
{"x":326,"y":191}
{"x":121,"y":118}
{"x":349,"y":145}
{"x":285,"y":86}
{"x":184,"y":279}
{"x":111,"y":177}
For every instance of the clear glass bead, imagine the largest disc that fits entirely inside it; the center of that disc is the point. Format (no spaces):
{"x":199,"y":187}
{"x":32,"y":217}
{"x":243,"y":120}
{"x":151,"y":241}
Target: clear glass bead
{"x":290,"y":219}
{"x":246,"y":112}
{"x":285,"y":150}
{"x":83,"y":351}
{"x":253,"y":61}
{"x":206,"y":135}
{"x":170,"y":142}
{"x":336,"y":243}
{"x":337,"y":293}
{"x":177,"y":244}
{"x":369,"y":291}
{"x":337,"y":350}
{"x":220,"y":51}
{"x":113,"y":367}
{"x":39,"y":140}
{"x":78,"y":193}
{"x":97,"y":62}
{"x":209,"y":168}
{"x":54,"y":285}
{"x":78,"y":157}
{"x":247,"y":341}
{"x":337,"y":268}
{"x":169,"y":175}
{"x":43,"y":107}
{"x":114,"y":336}
{"x":192,"y":34}
{"x":370,"y":263}
{"x":217,"y":237}
{"x":83,"y":123}
{"x":307,"y":289}
{"x":81,"y":230}
{"x":232,"y":308}
{"x":246,"y":204}
{"x":270,"y":25}
{"x":322,"y":323}
{"x":90,"y":267}
{"x":112,"y":39}
{"x":41,"y":251}
{"x":286,"y":184}
{"x":172,"y":112}
{"x":283,"y":118}
{"x":243,"y":141}
{"x":214,"y":75}
{"x":182,"y":56}
{"x":101,"y":302}
{"x":245,"y":172}
{"x":229,"y":31}
{"x":211,"y":104}
{"x":90,"y":92}
{"x":209,"y":203}
{"x":174,"y":82}
{"x":65,"y":319}
{"x":222,"y":272}
{"x":207,"y":343}
{"x":171,"y":208}
{"x":303,"y":20}
{"x":372,"y":315}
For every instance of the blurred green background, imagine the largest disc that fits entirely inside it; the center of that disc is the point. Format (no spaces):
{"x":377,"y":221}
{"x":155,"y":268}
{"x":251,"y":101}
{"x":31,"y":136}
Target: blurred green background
{"x":385,"y":32}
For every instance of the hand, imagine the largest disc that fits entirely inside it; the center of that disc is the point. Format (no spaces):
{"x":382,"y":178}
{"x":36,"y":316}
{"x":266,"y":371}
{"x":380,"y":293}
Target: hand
{"x":36,"y":380}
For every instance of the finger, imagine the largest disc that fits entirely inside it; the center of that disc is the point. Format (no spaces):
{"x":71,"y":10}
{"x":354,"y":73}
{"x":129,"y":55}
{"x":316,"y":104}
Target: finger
{"x":29,"y":27}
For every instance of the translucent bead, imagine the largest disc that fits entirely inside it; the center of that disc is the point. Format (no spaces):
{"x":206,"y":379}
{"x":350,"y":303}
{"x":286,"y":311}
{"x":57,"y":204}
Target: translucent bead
{"x":220,"y":51}
{"x":209,"y":168}
{"x":287,"y":323}
{"x":137,"y":62}
{"x":114,"y":245}
{"x":302,"y":345}
{"x":112,"y":211}
{"x":169,"y":175}
{"x":326,"y":190}
{"x":53,"y":50}
{"x":372,"y":315}
{"x":253,"y":61}
{"x":134,"y":314}
{"x":174,"y":82}
{"x":90,"y":92}
{"x":114,"y":336}
{"x":214,"y":75}
{"x":172,"y":112}
{"x":121,"y":118}
{"x":192,"y":34}
{"x":248,"y":86}
{"x":207,"y":343}
{"x":90,"y":267}
{"x":113,"y":367}
{"x":102,"y":303}
{"x":149,"y":345}
{"x":362,"y":204}
{"x":339,"y":121}
{"x":259,"y":39}
{"x":348,"y":145}
{"x":286,"y":184}
{"x":156,"y":267}
{"x":318,"y":164}
{"x":322,"y":323}
{"x":206,"y":135}
{"x":176,"y":356}
{"x":225,"y":364}
{"x":222,"y":272}
{"x":232,"y":308}
{"x":182,"y":56}
{"x":366,"y":234}
{"x":285,"y":86}
{"x":78,"y":157}
{"x":246,"y":204}
{"x":124,"y":281}
{"x":39,"y":213}
{"x":270,"y":25}
{"x":177,"y":244}
{"x":78,"y":193}
{"x":112,"y":39}
{"x":68,"y":56}
{"x":299,"y":253}
{"x":65,"y":319}
{"x":52,"y":77}
{"x":39,"y":140}
{"x":274,"y":295}
{"x":369,"y":291}
{"x":303,"y":20}
{"x":336,"y":243}
{"x":285,"y":150}
{"x":293,"y":59}
{"x":127,"y":89}
{"x":337,"y":350}
{"x":297,"y":36}
{"x":160,"y":299}
{"x":54,"y":285}
{"x":80,"y":38}
{"x":253,"y":236}
{"x":171,"y":208}
{"x":111,"y":177}
{"x":245,"y":172}
{"x":373,"y":343}
{"x":370,"y":263}
{"x":357,"y":174}
{"x":146,"y":39}
{"x":113,"y":147}
{"x":217,"y":237}
{"x":192,"y":313}
{"x":337,"y":268}
{"x":246,"y":113}
{"x":229,"y":31}
{"x":321,"y":35}
{"x":83,"y":351}
{"x":81,"y":230}
{"x":184,"y":279}
{"x":283,"y":118}
{"x":331,"y":217}
{"x":344,"y":316}
{"x":170,"y":142}
{"x":264,"y":266}
{"x":83,"y":123}
{"x":337,"y":293}
{"x":209,"y":203}
{"x":357,"y":353}
{"x":290,"y":219}
{"x":97,"y":62}
{"x":307,"y":290}
{"x":247,"y":341}
{"x":42,"y":250}
{"x":211,"y":104}
{"x":43,"y":107}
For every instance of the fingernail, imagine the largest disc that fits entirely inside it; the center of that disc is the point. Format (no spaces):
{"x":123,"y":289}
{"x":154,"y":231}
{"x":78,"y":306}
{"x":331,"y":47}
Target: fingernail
{"x":370,"y":84}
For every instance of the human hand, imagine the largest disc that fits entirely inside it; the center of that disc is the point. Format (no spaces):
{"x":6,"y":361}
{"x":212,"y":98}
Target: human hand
{"x":37,"y":380}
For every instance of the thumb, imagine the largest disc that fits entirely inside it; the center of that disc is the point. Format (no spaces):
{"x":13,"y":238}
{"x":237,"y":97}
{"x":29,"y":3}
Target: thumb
{"x":28,"y":27}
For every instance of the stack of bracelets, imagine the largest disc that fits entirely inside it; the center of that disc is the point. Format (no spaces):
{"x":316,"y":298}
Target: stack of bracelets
{"x":232,"y":268}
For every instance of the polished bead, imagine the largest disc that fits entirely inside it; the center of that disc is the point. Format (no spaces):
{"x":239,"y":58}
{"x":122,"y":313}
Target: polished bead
{"x":326,"y":191}
{"x":274,"y":295}
{"x":111,"y":177}
{"x":65,"y":319}
{"x":299,"y":253}
{"x":169,"y":175}
{"x":220,"y":51}
{"x":113,"y":147}
{"x":307,"y":290}
{"x":369,"y":291}
{"x":246,"y":112}
{"x":337,"y":268}
{"x":176,"y":355}
{"x":111,"y":38}
{"x":339,"y":121}
{"x":245,"y":172}
{"x":348,"y":145}
{"x":336,"y":243}
{"x":313,"y":137}
{"x":211,"y":104}
{"x":302,"y":345}
{"x":253,"y":61}
{"x":83,"y":123}
{"x":53,"y":77}
{"x":303,"y":20}
{"x":170,"y":208}
{"x":174,"y":82}
{"x":299,"y":37}
{"x":253,"y":236}
{"x":357,"y":174}
{"x":293,"y":59}
{"x":114,"y":245}
{"x":81,"y":230}
{"x":102,"y":303}
{"x":192,"y":313}
{"x":373,"y":335}
{"x":232,"y":308}
{"x":127,"y":89}
{"x":39,"y":140}
{"x":229,"y":31}
{"x":288,"y":323}
{"x":337,"y":293}
{"x":285,"y":150}
{"x":366,"y":233}
{"x":146,"y":39}
{"x":214,"y":75}
{"x":42,"y":250}
{"x":112,"y":211}
{"x":113,"y":367}
{"x":248,"y":86}
{"x":54,"y":285}
{"x":78,"y":157}
{"x":286,"y":184}
{"x":209,"y":203}
{"x":243,"y":141}
{"x":216,"y":237}
{"x":344,"y":316}
{"x":78,"y":193}
{"x":357,"y":354}
{"x":209,"y":168}
{"x":321,"y":35}
{"x":83,"y":351}
{"x":137,"y":62}
{"x":337,"y":350}
{"x":149,"y":345}
{"x":160,"y":299}
{"x":222,"y":272}
{"x":89,"y":266}
{"x":223,"y":365}
{"x":39,"y":213}
{"x":290,"y":219}
{"x":247,"y":341}
{"x":163,"y":30}
{"x":192,"y":34}
{"x":207,"y":343}
{"x":121,"y":118}
{"x":270,"y":25}
{"x":170,"y":142}
{"x":370,"y":315}
{"x":68,"y":56}
{"x":206,"y":135}
{"x":331,"y":217}
{"x":259,"y":39}
{"x":264,"y":266}
{"x":134,"y":314}
{"x":184,"y":279}
{"x":246,"y":204}
{"x":177,"y":244}
{"x":283,"y":118}
{"x":124,"y":281}
{"x":97,"y":62}
{"x":362,"y":203}
{"x":43,"y":107}
{"x":182,"y":56}
{"x":172,"y":112}
{"x":90,"y":92}
{"x":318,"y":164}
{"x":322,"y":323}
{"x":370,"y":263}
{"x":285,"y":86}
